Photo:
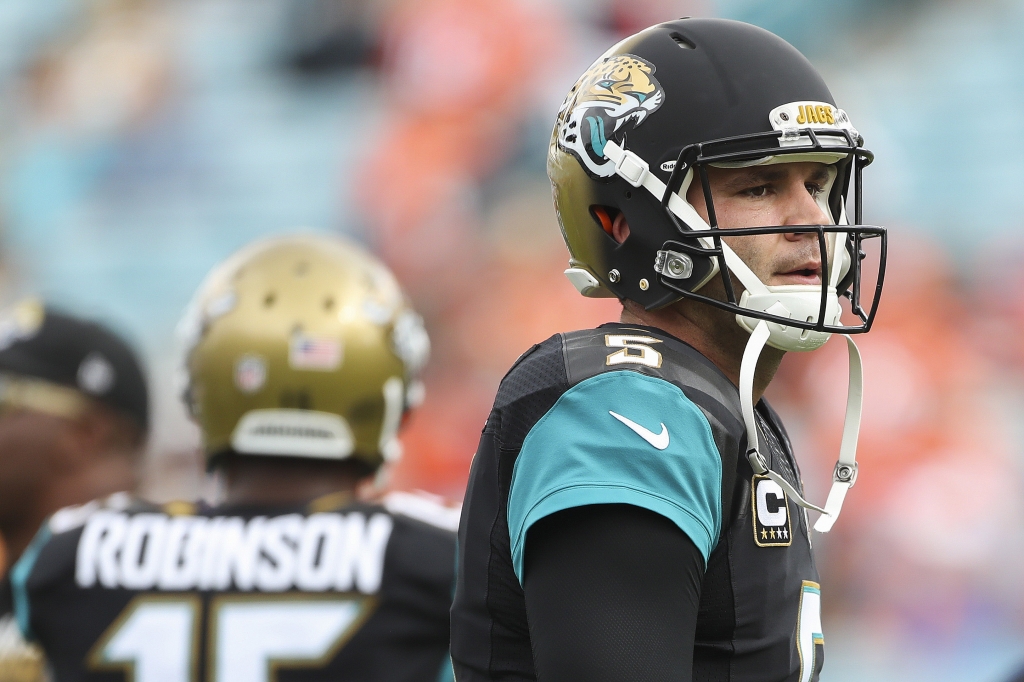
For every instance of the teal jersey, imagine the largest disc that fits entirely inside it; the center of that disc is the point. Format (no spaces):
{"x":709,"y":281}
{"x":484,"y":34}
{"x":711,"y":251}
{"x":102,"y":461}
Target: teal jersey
{"x":631,"y":415}
{"x":620,"y":437}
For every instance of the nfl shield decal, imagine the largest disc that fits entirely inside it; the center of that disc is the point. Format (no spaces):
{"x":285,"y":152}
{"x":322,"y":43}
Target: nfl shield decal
{"x":772,"y":526}
{"x":250,"y":373}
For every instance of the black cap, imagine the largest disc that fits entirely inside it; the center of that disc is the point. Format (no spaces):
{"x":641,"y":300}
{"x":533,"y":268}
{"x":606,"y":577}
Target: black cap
{"x":39,"y":342}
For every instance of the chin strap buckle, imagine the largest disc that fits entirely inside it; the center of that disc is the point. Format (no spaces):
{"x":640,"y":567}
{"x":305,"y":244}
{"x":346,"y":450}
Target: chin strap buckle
{"x":845,"y":473}
{"x":757,"y":462}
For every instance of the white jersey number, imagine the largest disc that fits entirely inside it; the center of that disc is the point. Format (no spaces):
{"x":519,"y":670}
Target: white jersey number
{"x":808,"y":629}
{"x":156,"y":638}
{"x":635,"y":350}
{"x":153,"y":640}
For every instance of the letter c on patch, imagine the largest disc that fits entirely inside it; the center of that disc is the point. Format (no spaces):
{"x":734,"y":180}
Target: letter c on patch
{"x":771,"y":503}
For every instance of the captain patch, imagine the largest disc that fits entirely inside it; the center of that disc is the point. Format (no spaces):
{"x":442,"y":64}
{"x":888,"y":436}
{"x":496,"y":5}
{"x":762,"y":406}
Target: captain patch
{"x":772,"y":526}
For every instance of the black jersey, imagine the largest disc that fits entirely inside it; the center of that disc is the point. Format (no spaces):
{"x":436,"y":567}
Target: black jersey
{"x":631,"y":415}
{"x":127,"y":591}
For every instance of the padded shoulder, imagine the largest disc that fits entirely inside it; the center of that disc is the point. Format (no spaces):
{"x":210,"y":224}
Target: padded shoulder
{"x":649,"y":351}
{"x":529,"y":389}
{"x":424,"y":507}
{"x":653,"y":352}
{"x":52,"y":552}
{"x":540,"y":368}
{"x":70,"y":518}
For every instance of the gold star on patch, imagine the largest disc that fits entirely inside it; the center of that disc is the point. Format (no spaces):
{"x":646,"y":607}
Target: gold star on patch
{"x":764,"y":534}
{"x":772,"y":532}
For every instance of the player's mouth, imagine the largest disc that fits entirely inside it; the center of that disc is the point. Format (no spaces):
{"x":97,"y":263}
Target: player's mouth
{"x":808,"y":272}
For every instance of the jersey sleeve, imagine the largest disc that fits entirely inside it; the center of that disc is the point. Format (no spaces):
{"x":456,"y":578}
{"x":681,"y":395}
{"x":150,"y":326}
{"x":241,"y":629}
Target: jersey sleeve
{"x":588,"y":623}
{"x":619,"y":438}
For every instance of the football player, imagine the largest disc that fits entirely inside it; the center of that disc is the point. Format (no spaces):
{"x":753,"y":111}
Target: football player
{"x":73,"y":417}
{"x":303,"y":358}
{"x":635,"y":510}
{"x":73,"y":421}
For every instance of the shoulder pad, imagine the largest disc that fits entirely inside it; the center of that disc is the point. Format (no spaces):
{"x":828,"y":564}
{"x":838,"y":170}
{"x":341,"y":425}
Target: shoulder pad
{"x":70,"y":518}
{"x":422,"y":506}
{"x":540,"y":369}
{"x":75,"y":516}
{"x":651,"y":352}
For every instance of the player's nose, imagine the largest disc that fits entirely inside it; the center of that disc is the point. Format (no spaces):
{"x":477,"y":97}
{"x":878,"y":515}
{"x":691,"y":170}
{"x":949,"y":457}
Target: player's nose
{"x":801,"y":208}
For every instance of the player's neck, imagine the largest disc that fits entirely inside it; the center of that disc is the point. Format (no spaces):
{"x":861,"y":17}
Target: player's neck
{"x":282,"y":482}
{"x":714,"y":333}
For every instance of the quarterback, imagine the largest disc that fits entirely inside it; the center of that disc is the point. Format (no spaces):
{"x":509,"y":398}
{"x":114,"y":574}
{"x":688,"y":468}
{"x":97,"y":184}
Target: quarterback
{"x":303,"y":358}
{"x":635,"y":510}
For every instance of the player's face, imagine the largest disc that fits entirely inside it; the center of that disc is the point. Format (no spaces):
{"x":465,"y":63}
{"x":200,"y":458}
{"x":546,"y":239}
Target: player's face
{"x":763,"y":196}
{"x":28,"y":440}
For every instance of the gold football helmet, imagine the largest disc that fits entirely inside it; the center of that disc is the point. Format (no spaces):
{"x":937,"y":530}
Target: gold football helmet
{"x":302,"y":346}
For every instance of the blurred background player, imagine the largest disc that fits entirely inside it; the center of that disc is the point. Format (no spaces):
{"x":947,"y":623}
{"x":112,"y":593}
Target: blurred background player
{"x":303,"y":359}
{"x":74,"y":415}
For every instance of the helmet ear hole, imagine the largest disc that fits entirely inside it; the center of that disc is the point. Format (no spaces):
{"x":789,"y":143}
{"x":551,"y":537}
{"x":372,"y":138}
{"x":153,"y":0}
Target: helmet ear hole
{"x":605,"y":217}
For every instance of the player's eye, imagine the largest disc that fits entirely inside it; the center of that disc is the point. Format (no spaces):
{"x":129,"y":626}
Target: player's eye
{"x":756,"y":192}
{"x":814,"y":189}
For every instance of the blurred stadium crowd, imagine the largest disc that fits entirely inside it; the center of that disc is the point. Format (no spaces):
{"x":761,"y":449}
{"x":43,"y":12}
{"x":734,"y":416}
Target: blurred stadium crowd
{"x":141,"y":141}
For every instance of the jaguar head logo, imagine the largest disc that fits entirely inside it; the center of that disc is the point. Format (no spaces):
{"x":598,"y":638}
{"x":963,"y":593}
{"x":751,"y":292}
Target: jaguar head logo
{"x":614,"y":96}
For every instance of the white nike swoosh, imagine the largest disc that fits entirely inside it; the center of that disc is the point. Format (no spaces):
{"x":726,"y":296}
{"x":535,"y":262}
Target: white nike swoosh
{"x":659,"y":440}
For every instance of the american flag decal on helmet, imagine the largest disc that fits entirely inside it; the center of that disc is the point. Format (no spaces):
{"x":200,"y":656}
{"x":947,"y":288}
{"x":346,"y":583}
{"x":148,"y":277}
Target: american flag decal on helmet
{"x":307,"y":352}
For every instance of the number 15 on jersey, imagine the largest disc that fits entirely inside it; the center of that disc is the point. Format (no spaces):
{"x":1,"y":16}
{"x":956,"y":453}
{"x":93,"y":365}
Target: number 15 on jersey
{"x":156,"y":638}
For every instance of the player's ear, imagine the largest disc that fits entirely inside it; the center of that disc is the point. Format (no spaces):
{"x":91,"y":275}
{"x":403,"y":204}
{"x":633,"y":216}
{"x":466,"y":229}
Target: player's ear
{"x":620,"y":228}
{"x":612,"y":221}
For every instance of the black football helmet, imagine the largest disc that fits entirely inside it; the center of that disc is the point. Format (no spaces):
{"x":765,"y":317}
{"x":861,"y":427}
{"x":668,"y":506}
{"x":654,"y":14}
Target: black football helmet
{"x":643,"y":123}
{"x":648,"y":118}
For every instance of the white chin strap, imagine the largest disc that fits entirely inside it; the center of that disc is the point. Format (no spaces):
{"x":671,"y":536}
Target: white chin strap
{"x":845,"y":473}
